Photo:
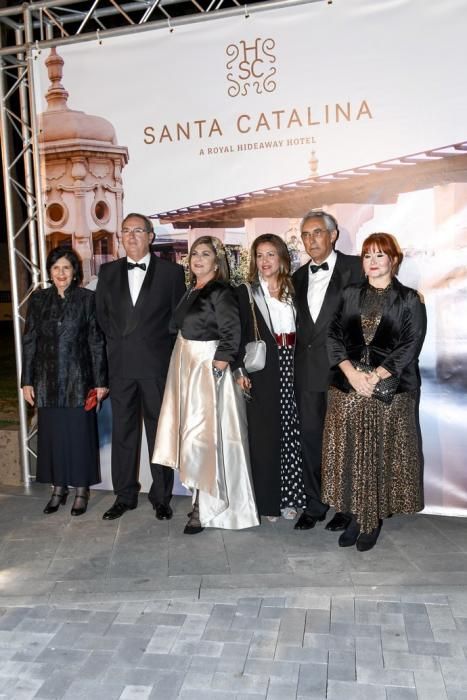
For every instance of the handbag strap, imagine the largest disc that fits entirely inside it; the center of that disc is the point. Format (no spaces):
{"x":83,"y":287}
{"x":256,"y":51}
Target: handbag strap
{"x":252,"y":305}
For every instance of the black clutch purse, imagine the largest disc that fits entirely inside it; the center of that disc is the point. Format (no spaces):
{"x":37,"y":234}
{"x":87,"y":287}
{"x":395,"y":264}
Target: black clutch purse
{"x":385,"y":389}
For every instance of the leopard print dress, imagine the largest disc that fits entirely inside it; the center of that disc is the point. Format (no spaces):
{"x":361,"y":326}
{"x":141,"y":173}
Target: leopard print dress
{"x":371,"y":451}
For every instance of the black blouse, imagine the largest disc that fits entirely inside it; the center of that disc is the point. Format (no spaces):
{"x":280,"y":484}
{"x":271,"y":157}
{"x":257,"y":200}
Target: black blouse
{"x":211,"y":313}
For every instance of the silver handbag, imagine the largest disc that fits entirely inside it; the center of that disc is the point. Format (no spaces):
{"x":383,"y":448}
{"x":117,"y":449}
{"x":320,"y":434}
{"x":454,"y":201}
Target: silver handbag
{"x":255,"y":351}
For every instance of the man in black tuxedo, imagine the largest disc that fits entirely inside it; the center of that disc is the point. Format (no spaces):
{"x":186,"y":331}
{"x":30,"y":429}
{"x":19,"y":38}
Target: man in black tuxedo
{"x":318,"y":289}
{"x":135,"y":298}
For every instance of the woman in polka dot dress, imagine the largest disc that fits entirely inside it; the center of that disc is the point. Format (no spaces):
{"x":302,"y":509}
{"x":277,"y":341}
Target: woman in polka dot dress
{"x":273,"y":428}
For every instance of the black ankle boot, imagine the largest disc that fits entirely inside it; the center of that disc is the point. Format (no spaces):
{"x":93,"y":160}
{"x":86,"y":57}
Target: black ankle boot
{"x":367,"y":540}
{"x":350,"y":534}
{"x":59,"y":496}
{"x":80,"y":503}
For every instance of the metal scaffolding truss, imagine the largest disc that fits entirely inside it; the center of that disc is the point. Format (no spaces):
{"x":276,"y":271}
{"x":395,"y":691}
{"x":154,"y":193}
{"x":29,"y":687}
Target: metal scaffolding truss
{"x":48,"y":23}
{"x":25,"y":30}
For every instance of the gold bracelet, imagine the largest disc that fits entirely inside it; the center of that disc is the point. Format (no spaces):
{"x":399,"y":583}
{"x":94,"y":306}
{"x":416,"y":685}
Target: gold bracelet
{"x":379,"y":376}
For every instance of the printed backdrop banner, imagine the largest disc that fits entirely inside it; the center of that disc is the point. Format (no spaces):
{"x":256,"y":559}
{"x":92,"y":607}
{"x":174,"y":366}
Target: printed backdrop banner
{"x":239,"y":125}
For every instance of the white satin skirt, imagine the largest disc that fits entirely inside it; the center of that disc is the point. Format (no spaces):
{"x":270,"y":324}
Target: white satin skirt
{"x":202,"y":432}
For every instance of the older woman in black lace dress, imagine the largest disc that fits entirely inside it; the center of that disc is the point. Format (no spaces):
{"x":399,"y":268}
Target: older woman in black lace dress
{"x":371,"y":450}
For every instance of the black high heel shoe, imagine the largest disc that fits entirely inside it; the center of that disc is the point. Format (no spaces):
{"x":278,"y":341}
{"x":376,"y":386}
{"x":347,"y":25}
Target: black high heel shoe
{"x":58,"y":499}
{"x":80,"y":504}
{"x":194,"y":526}
{"x":367,"y":540}
{"x":350,"y":534}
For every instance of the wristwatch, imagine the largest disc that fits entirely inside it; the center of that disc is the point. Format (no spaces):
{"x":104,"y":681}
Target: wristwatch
{"x":218,"y":373}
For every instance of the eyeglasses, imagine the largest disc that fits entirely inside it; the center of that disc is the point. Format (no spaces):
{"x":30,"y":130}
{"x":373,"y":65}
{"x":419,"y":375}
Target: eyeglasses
{"x":137,"y":231}
{"x":316,"y":233}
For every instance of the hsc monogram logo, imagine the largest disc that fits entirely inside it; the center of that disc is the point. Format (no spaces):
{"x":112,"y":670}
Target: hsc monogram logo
{"x":250,"y":68}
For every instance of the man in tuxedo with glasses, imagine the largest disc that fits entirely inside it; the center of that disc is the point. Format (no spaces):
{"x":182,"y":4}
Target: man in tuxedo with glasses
{"x":318,"y":288}
{"x":135,"y":299}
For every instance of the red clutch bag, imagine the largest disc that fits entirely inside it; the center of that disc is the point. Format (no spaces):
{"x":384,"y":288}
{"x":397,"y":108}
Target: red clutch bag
{"x":91,"y":400}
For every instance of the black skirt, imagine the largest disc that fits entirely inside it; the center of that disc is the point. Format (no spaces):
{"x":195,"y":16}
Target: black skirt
{"x":68,"y":447}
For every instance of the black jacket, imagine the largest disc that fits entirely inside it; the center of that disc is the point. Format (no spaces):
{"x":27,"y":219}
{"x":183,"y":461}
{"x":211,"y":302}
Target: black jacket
{"x":211,"y":313}
{"x":311,"y":358}
{"x":396,"y":344}
{"x":63,"y":348}
{"x":139,"y":342}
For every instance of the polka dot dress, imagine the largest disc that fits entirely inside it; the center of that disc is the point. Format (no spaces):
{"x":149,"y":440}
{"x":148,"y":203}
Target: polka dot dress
{"x":292,"y":488}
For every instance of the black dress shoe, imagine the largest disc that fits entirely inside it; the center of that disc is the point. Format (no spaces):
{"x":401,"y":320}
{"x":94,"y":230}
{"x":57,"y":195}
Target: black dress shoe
{"x":307,"y":521}
{"x":339,"y":522}
{"x":117,"y":510}
{"x":163,"y":512}
{"x":350,"y":536}
{"x":367,"y":540}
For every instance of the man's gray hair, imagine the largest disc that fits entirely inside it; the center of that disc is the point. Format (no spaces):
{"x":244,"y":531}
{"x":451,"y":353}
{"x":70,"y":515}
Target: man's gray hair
{"x":329,"y":221}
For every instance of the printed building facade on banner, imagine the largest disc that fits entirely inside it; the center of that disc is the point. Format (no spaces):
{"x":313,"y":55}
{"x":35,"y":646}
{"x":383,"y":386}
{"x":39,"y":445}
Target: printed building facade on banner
{"x":355,"y":197}
{"x":238,"y":234}
{"x":81,"y":176}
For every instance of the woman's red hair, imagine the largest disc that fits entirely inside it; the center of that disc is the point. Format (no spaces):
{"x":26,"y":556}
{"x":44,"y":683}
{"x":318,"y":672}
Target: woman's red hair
{"x":385,"y":243}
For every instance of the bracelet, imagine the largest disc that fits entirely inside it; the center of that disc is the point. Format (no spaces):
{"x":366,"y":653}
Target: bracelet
{"x":378,"y":375}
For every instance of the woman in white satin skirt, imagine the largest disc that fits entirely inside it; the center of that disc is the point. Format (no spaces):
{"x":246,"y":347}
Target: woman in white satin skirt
{"x":202,"y":429}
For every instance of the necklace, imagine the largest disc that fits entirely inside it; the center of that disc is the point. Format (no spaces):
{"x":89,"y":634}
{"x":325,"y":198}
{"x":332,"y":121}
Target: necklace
{"x":380,"y":290}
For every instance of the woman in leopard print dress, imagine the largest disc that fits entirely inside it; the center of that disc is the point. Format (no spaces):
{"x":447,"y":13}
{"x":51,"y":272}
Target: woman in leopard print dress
{"x":371,"y":451}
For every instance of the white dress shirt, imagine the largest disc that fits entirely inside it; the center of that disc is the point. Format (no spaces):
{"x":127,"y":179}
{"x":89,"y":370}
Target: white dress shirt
{"x":281,"y":312}
{"x":136,"y":277}
{"x":318,"y":283}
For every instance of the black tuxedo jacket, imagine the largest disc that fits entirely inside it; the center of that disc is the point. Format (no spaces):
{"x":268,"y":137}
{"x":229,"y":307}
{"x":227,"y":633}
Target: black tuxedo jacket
{"x":139,"y":342}
{"x":312,"y":371}
{"x":397,"y":342}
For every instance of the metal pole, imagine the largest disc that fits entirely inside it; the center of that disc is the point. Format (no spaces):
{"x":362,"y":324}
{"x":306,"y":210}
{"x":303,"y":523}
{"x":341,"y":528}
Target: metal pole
{"x":35,"y":149}
{"x":10,"y":223}
{"x":28,"y":168}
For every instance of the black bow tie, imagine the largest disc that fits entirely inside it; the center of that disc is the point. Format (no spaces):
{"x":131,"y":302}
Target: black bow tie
{"x":315,"y":268}
{"x":131,"y":266}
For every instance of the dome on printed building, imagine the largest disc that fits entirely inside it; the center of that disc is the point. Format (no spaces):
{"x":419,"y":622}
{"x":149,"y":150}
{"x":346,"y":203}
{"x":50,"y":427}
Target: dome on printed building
{"x":60,"y":123}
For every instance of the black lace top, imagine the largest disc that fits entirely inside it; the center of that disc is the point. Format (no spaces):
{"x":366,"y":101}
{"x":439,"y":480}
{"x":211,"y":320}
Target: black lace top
{"x":373,"y":305}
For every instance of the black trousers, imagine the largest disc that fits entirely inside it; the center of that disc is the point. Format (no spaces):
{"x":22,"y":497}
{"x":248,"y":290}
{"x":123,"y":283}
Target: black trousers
{"x":312,"y":411}
{"x":134,"y":401}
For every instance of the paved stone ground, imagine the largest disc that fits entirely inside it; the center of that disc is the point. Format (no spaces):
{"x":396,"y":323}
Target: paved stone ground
{"x":133,"y":609}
